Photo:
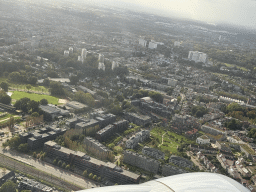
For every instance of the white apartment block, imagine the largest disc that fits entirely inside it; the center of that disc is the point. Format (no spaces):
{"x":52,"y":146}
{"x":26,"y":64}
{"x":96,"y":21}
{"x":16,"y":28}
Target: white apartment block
{"x":197,"y":56}
{"x":142,"y":42}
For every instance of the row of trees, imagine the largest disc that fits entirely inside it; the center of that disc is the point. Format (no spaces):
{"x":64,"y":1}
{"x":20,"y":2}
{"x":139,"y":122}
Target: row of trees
{"x":15,"y":143}
{"x":91,"y":176}
{"x":19,"y":77}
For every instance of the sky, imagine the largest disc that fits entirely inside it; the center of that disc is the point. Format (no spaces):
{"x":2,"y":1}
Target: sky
{"x":236,"y":12}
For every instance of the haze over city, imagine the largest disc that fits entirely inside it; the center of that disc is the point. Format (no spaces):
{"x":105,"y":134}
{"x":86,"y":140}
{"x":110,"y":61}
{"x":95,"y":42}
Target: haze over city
{"x":127,"y":96}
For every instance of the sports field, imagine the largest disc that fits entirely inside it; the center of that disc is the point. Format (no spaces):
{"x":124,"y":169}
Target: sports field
{"x":33,"y":96}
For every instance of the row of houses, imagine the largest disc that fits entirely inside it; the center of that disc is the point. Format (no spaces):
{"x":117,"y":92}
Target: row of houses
{"x":100,"y":148}
{"x":148,"y":105}
{"x":207,"y":163}
{"x":83,"y":162}
{"x":141,"y":161}
{"x":108,"y":131}
{"x":141,"y":120}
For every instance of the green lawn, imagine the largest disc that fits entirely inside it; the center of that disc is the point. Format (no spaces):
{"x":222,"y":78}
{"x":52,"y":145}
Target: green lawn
{"x":5,"y":117}
{"x":36,"y":97}
{"x":171,"y":140}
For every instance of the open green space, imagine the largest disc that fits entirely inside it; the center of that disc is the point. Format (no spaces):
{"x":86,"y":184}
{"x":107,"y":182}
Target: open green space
{"x":16,"y":86}
{"x":33,"y":96}
{"x":171,"y":140}
{"x":232,"y":65}
{"x":5,"y":116}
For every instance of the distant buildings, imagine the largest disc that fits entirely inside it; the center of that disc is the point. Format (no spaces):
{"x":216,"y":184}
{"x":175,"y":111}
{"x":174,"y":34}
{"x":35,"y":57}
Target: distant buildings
{"x":176,"y":43}
{"x":197,"y":56}
{"x":86,"y":90}
{"x":114,"y":65}
{"x":152,"y":45}
{"x":143,"y":42}
{"x":66,"y":53}
{"x":83,"y":55}
{"x":71,"y":50}
{"x":101,"y":62}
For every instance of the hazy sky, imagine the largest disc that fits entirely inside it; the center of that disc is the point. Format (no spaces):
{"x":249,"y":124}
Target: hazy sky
{"x":238,"y":12}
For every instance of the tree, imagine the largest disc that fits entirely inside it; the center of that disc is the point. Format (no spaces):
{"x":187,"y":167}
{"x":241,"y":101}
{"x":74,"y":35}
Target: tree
{"x":14,"y":142}
{"x":74,"y":80}
{"x":99,"y":179}
{"x":44,"y":102}
{"x":54,"y":161}
{"x":32,"y":80}
{"x":35,"y":114}
{"x":178,"y":99}
{"x":56,"y":88}
{"x":33,"y":105}
{"x":68,"y":167}
{"x":85,"y":98}
{"x":4,"y":86}
{"x":85,"y":173}
{"x":28,"y":87}
{"x":90,"y":175}
{"x":95,"y":177}
{"x":46,"y":82}
{"x":22,"y":104}
{"x":9,"y":186}
{"x":4,"y":98}
{"x":64,"y":165}
{"x":34,"y":154}
{"x":59,"y":163}
{"x":233,"y":124}
{"x":23,"y":148}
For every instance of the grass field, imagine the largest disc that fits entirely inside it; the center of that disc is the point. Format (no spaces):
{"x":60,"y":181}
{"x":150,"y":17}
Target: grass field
{"x":171,"y":140}
{"x":36,"y":97}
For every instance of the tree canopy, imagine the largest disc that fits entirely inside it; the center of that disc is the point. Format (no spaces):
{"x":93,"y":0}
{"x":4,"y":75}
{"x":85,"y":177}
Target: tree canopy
{"x":85,"y":98}
{"x":4,"y":98}
{"x":9,"y":186}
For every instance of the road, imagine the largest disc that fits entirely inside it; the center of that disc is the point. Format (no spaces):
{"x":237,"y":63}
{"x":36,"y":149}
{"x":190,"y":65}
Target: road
{"x":50,"y":169}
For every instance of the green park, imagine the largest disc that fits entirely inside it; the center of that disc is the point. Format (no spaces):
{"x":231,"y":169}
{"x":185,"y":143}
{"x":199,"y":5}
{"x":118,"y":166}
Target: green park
{"x":33,"y":96}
